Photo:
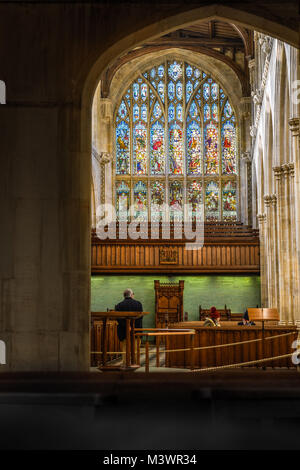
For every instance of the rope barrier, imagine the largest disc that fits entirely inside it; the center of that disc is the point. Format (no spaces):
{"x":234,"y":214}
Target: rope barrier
{"x":241,"y":364}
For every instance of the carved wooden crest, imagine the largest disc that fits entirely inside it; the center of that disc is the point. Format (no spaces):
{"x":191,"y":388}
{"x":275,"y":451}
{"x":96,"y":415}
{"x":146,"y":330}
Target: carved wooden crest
{"x":168,"y":255}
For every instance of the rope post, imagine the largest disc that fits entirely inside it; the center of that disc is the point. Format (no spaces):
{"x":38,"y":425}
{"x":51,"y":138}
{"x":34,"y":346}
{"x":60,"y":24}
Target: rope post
{"x":147,"y":355}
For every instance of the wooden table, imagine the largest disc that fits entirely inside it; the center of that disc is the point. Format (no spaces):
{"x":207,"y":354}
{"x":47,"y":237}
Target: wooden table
{"x":130,"y":317}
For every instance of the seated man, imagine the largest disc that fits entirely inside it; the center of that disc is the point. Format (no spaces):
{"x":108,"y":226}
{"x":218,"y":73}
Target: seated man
{"x":213,"y":319}
{"x":129,"y":304}
{"x":246,"y":320}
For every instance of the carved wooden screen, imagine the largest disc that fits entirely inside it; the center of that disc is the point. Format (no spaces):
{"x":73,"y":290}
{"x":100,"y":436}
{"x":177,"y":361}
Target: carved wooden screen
{"x":168,"y":303}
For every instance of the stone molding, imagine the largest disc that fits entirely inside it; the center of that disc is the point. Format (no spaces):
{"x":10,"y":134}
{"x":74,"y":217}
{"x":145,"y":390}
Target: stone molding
{"x":267,"y":200}
{"x":103,"y":157}
{"x":294,"y":124}
{"x":274,"y":200}
{"x":277,"y":172}
{"x":246,"y":157}
{"x":261,"y":218}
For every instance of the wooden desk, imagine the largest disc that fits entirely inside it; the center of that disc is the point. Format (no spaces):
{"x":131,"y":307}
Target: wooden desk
{"x":229,"y":332}
{"x":130,"y":317}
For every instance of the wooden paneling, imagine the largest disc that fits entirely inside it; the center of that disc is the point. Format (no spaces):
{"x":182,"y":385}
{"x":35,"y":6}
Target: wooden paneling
{"x":97,"y":340}
{"x":232,"y":354}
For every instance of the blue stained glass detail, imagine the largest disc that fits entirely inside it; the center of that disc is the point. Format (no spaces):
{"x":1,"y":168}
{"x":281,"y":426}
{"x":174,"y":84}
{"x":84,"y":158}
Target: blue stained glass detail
{"x":193,"y":110}
{"x":171,"y":112}
{"x":196,"y":83}
{"x":206,"y":91}
{"x":189,"y":71}
{"x":144,"y":91}
{"x":194,"y":149}
{"x":161,"y":71}
{"x":214,"y":112}
{"x":161,"y":90}
{"x":175,"y":70}
{"x":179,"y":90}
{"x":157,"y":149}
{"x":227,"y":110}
{"x":140,"y":149}
{"x":122,"y":110}
{"x":152,"y":73}
{"x":136,"y":112}
{"x":136,"y":91}
{"x":144,"y":113}
{"x":206,"y":112}
{"x":157,"y":112}
{"x":179,"y":112}
{"x":171,"y":91}
{"x":209,"y":80}
{"x":197,"y":73}
{"x":214,"y":91}
{"x":122,"y":146}
{"x":204,"y":74}
{"x":153,"y":84}
{"x":188,"y":90}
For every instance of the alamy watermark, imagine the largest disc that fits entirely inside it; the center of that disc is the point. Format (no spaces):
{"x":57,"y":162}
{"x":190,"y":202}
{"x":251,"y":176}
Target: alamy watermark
{"x":2,"y":353}
{"x":187,"y":223}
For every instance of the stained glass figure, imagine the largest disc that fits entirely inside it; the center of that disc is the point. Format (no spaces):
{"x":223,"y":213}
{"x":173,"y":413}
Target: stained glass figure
{"x":157,"y":112}
{"x":122,"y":146}
{"x":206,"y":91}
{"x":122,"y":200}
{"x":140,"y":149}
{"x":194,"y":200}
{"x":176,"y":200}
{"x":214,"y":112}
{"x":194,"y":149}
{"x":161,"y":90}
{"x":176,"y":150}
{"x":211,"y":149}
{"x":171,"y":91}
{"x":193,"y":110}
{"x":157,"y":149}
{"x":189,"y":90}
{"x":161,"y":71}
{"x":136,"y":112}
{"x":122,"y":110}
{"x":229,"y":202}
{"x":179,"y":112}
{"x":212,"y":201}
{"x":144,"y":91}
{"x":140,"y":201}
{"x":144,"y":113}
{"x":157,"y":191}
{"x":189,"y":71}
{"x":228,"y":149}
{"x":227,"y":110}
{"x":171,"y":112}
{"x":214,"y":91}
{"x":179,"y":90}
{"x":206,"y":112}
{"x":136,"y":91}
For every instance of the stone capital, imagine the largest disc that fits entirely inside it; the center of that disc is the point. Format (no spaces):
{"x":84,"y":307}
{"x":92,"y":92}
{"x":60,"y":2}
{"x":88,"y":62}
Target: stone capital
{"x":291,"y":169}
{"x":261,"y":218}
{"x":267,"y":200}
{"x":246,"y":157}
{"x":273,"y":200}
{"x":103,"y":157}
{"x":277,"y":172}
{"x":286,"y":169}
{"x":294,"y":124}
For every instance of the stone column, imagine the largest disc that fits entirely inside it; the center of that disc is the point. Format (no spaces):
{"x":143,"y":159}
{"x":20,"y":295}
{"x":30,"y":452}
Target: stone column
{"x":275,"y":266}
{"x":246,"y":174}
{"x":286,"y":243}
{"x":263,"y":266}
{"x":294,"y":124}
{"x":268,"y":248}
{"x":279,"y":248}
{"x":104,"y":145}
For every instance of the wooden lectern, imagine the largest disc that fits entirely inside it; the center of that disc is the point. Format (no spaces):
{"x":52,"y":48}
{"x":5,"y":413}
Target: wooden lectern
{"x":130,"y":317}
{"x":263,"y":314}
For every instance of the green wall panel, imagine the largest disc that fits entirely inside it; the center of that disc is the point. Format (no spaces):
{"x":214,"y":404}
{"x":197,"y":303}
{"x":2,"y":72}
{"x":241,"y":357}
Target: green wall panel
{"x":237,"y":292}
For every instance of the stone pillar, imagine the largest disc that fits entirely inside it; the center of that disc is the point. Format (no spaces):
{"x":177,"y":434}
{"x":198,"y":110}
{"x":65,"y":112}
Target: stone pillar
{"x":279,"y":248}
{"x":286,"y":243}
{"x":263,"y":265}
{"x":275,"y":266}
{"x":294,"y":124}
{"x":268,"y":249}
{"x":246,"y":180}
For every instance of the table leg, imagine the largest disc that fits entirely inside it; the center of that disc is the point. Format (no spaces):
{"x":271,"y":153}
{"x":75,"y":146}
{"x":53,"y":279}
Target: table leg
{"x":104,"y":350}
{"x":192,"y":351}
{"x":138,"y":352}
{"x":147,"y":356}
{"x":132,"y":339}
{"x":157,"y":350}
{"x":128,"y":346}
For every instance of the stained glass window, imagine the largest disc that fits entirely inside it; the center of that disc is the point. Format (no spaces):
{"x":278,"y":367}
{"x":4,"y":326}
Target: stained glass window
{"x":176,"y":143}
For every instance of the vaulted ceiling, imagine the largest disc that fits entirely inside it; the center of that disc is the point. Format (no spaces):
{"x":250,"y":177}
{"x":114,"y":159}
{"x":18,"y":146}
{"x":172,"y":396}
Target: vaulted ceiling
{"x":226,"y":42}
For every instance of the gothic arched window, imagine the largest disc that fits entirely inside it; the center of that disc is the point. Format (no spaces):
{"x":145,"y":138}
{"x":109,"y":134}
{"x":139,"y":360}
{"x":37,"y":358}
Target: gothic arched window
{"x":175,"y":145}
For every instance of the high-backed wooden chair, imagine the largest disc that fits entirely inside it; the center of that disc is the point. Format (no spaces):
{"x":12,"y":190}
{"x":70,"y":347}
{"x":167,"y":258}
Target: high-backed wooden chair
{"x":168,"y":303}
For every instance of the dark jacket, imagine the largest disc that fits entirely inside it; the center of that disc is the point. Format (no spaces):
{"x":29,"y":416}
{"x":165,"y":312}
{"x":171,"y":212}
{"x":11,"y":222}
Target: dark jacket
{"x":128,"y":305}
